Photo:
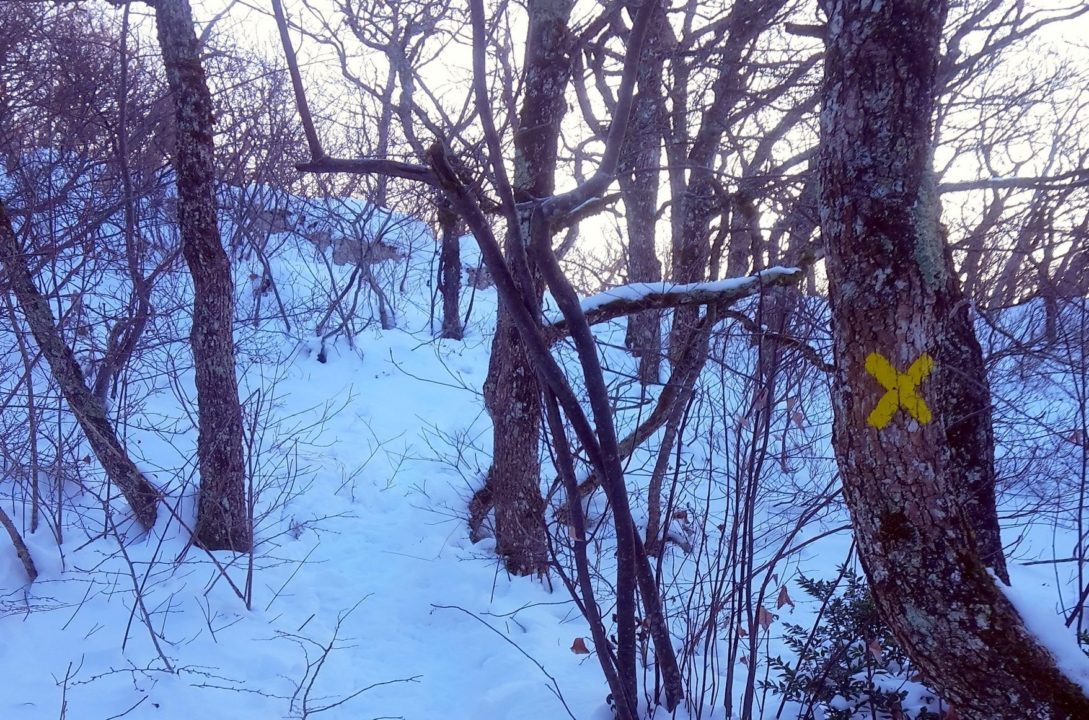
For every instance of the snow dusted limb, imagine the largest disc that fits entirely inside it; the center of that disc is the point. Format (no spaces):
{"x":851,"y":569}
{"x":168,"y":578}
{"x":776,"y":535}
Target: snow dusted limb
{"x":1073,"y":179}
{"x":627,"y":299}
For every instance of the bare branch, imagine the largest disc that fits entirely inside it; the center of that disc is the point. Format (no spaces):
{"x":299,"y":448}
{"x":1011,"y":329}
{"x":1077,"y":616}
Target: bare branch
{"x":802,"y":30}
{"x":296,"y":82}
{"x":1062,"y":181}
{"x":20,"y":546}
{"x":637,"y":297}
{"x":369,"y":166}
{"x":555,"y":207}
{"x":809,"y":352}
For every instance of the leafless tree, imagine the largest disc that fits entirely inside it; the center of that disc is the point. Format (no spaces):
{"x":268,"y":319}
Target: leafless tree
{"x":223,"y":512}
{"x":88,"y":409}
{"x":904,"y":342}
{"x":58,"y":111}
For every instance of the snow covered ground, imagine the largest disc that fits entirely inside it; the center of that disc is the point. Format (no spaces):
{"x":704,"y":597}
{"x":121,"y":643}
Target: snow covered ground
{"x":365,"y":598}
{"x":364,"y":581}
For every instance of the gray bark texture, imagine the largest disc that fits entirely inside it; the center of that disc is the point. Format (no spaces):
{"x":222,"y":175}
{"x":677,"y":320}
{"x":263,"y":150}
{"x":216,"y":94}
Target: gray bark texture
{"x":512,"y":394}
{"x":640,"y":171}
{"x":141,"y":495}
{"x":513,"y":488}
{"x":919,"y":485}
{"x":223,"y":514}
{"x":450,"y":273}
{"x":20,"y":547}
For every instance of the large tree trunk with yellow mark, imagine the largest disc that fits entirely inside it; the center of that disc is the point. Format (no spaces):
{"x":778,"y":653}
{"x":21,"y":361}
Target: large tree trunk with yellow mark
{"x":223,"y":517}
{"x":913,"y":436}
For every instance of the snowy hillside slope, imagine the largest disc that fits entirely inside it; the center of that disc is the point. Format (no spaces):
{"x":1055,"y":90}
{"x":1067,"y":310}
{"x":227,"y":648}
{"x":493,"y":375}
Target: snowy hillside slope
{"x":365,"y":597}
{"x":360,"y":524}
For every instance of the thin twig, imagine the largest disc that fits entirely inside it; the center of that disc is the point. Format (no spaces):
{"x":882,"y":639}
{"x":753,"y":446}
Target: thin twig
{"x":555,"y":686}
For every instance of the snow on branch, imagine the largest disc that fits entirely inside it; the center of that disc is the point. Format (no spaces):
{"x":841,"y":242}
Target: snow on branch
{"x":1062,"y":181}
{"x":636,"y":297}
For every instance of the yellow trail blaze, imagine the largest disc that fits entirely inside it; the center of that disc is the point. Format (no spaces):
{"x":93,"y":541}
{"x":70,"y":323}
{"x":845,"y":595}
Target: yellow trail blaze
{"x":901,"y":389}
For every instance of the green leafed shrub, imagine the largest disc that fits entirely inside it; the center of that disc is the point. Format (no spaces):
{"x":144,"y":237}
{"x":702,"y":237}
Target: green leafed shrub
{"x":847,"y":665}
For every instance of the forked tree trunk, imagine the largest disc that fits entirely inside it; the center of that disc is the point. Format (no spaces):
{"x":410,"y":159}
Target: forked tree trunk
{"x":916,"y":459}
{"x":223,"y":515}
{"x":89,"y":411}
{"x":512,"y":395}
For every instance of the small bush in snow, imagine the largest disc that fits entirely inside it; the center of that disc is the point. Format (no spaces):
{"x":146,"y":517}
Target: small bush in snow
{"x":847,"y":665}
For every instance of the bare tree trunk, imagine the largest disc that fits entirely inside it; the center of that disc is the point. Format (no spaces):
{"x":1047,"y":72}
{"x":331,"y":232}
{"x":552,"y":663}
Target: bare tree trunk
{"x":450,"y":272}
{"x":904,"y":344}
{"x":669,"y":412}
{"x":513,"y":399}
{"x":694,"y":177}
{"x":644,"y":334}
{"x":90,"y":413}
{"x":124,"y":336}
{"x":223,"y":517}
{"x":639,"y":176}
{"x":966,"y":413}
{"x":20,"y":547}
{"x":512,"y":395}
{"x":744,"y":231}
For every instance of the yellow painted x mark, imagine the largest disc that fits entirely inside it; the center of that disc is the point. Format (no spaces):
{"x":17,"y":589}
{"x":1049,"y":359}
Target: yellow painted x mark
{"x":901,"y":389}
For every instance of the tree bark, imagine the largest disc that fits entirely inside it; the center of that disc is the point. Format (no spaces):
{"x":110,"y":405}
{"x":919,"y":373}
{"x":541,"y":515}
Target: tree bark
{"x":512,"y":395}
{"x":639,"y":176}
{"x":915,"y":478}
{"x":20,"y":546}
{"x":141,"y":495}
{"x":450,"y":273}
{"x":223,"y":516}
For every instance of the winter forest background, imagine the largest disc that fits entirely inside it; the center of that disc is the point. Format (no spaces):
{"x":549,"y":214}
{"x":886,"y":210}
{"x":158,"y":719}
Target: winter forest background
{"x":544,"y":358}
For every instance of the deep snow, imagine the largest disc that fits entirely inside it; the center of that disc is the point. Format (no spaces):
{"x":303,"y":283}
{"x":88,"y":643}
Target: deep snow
{"x":366,"y":462}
